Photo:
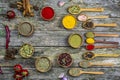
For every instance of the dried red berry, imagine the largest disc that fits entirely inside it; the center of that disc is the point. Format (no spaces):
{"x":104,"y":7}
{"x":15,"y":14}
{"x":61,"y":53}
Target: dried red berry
{"x":18,"y":68}
{"x":10,"y":14}
{"x":25,"y":72}
{"x":65,"y":59}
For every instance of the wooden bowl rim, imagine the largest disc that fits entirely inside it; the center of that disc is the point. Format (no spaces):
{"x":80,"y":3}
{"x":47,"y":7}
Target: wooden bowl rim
{"x":70,"y":38}
{"x":43,"y":17}
{"x":62,"y":65}
{"x":29,"y":34}
{"x":50,"y":64}
{"x":32,"y":50}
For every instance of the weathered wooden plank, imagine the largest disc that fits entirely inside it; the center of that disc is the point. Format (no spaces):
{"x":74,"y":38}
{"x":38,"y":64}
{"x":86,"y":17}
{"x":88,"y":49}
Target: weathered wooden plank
{"x":50,"y":38}
{"x":53,"y":34}
{"x":110,"y":74}
{"x":56,"y":24}
{"x":53,"y":52}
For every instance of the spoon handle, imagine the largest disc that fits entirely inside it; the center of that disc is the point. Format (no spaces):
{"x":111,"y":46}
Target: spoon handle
{"x":106,"y":42}
{"x":106,"y":35}
{"x":92,"y":9}
{"x":102,"y":64}
{"x":107,"y":55}
{"x":103,"y":46}
{"x":106,"y":25}
{"x":97,"y":17}
{"x":93,"y":72}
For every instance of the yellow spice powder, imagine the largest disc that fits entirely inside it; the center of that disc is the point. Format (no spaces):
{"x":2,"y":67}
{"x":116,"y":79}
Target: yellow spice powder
{"x":90,"y":41}
{"x":69,"y":22}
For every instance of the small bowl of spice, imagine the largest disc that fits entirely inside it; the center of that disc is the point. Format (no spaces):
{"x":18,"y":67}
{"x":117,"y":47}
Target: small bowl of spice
{"x":26,"y":29}
{"x":65,"y":60}
{"x":26,"y":51}
{"x":47,"y":13}
{"x":43,"y":64}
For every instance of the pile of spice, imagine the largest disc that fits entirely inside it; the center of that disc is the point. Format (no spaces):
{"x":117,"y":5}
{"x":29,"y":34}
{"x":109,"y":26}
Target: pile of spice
{"x":47,"y":13}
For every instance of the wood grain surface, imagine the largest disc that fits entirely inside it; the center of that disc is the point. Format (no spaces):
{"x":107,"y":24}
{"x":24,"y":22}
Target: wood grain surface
{"x":50,"y":39}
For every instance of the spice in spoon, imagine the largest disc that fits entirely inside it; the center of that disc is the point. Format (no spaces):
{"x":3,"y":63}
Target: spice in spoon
{"x":93,"y":34}
{"x":89,"y":25}
{"x":92,"y":41}
{"x":92,"y":46}
{"x":83,"y":17}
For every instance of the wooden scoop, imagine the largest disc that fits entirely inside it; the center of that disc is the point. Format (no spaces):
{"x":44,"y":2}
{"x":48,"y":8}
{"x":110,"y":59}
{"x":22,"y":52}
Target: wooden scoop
{"x":86,"y":64}
{"x":91,"y":46}
{"x":91,"y":55}
{"x":77,"y":72}
{"x":92,"y":41}
{"x":89,"y":25}
{"x":75,"y":9}
{"x":83,"y":17}
{"x":93,"y":34}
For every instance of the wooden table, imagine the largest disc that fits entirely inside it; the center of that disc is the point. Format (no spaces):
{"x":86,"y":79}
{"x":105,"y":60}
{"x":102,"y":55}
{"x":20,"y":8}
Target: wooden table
{"x":50,"y":38}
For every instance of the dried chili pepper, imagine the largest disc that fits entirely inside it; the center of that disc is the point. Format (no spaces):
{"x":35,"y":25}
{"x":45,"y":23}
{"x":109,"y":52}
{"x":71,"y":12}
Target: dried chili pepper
{"x":7,"y":36}
{"x":1,"y":72}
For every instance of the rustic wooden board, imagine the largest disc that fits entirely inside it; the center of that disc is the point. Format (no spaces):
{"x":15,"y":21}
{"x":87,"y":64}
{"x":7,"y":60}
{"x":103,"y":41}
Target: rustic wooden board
{"x":50,"y":39}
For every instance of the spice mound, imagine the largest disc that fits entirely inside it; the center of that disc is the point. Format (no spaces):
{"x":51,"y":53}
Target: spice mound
{"x":64,"y":60}
{"x":43,"y":64}
{"x":47,"y":13}
{"x":75,"y":40}
{"x":69,"y":22}
{"x":26,"y":51}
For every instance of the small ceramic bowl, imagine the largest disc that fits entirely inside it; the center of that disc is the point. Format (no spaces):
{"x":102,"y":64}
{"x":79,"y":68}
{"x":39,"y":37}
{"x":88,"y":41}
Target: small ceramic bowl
{"x":43,"y":64}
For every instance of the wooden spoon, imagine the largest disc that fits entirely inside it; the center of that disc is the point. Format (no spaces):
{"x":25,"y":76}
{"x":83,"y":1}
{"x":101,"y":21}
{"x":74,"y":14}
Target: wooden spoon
{"x":91,"y":55}
{"x":93,"y":34}
{"x":90,"y":25}
{"x":83,"y":17}
{"x":78,"y":72}
{"x":76,"y":9}
{"x":93,"y":41}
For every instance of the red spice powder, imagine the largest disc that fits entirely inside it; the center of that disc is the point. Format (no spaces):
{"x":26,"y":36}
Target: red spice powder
{"x":47,"y":13}
{"x":90,"y":47}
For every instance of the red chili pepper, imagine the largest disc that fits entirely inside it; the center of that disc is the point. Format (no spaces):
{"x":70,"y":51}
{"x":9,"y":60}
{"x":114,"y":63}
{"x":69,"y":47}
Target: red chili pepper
{"x":7,"y":36}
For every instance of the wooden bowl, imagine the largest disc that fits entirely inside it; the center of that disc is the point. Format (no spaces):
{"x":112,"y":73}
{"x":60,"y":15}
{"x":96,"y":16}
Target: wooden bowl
{"x":47,"y":13}
{"x":64,"y":59}
{"x":75,"y":40}
{"x":26,"y":50}
{"x":26,"y":29}
{"x":41,"y":66}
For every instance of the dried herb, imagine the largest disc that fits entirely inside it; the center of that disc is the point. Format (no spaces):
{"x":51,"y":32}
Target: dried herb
{"x":36,"y":8}
{"x":65,"y":60}
{"x":10,"y":54}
